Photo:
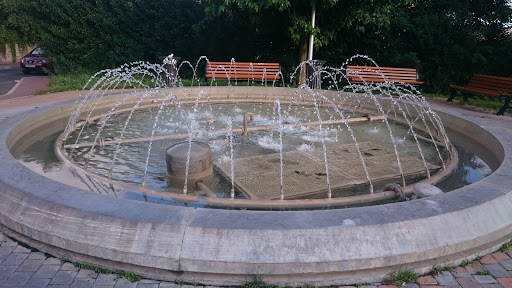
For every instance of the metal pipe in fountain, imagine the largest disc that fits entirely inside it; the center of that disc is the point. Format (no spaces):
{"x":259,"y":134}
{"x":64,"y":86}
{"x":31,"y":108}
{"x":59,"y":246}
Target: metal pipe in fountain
{"x":247,"y":116}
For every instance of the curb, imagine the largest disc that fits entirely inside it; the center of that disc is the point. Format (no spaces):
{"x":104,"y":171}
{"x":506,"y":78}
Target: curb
{"x":8,"y":66}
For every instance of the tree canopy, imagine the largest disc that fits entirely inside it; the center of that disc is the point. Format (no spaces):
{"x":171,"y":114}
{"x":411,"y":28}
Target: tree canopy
{"x":446,"y":40}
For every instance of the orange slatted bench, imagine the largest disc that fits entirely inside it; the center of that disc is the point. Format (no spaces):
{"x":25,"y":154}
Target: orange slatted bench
{"x":486,"y":85}
{"x":240,"y":71}
{"x":370,"y":74}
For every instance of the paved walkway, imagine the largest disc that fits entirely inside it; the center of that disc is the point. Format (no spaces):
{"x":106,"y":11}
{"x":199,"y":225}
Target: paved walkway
{"x":22,"y":267}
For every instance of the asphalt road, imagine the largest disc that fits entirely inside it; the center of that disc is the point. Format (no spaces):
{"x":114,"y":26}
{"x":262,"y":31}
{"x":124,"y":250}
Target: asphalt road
{"x":9,"y":77}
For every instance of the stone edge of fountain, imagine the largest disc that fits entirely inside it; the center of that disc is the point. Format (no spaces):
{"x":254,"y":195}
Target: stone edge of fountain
{"x":227,"y":247}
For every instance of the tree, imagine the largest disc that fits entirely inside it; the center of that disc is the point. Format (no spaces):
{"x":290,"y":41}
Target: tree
{"x":100,"y":34}
{"x":450,"y":40}
{"x":14,"y":29}
{"x":333,"y":16}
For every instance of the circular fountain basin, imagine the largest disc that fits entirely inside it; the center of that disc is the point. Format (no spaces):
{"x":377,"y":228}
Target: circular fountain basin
{"x":229,"y":247}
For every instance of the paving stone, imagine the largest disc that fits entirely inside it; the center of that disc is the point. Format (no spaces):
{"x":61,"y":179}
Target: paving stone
{"x":500,"y":255}
{"x":410,"y":285}
{"x":52,"y":261}
{"x":150,"y":281}
{"x":506,"y":263}
{"x":9,"y":242}
{"x":21,"y":249}
{"x":5,"y":251}
{"x":82,"y":283}
{"x":57,"y":286}
{"x":18,"y":279}
{"x":46,"y":271}
{"x":506,"y":282}
{"x":460,"y":272}
{"x":446,"y":278}
{"x":64,"y":277}
{"x":469,"y":282}
{"x":6,"y":272}
{"x":496,"y":285}
{"x":2,"y":237}
{"x":431,"y":286}
{"x":123,"y":283}
{"x":488,"y":259}
{"x":69,"y":267}
{"x":37,"y":283}
{"x":474,"y":268}
{"x":86,"y":273}
{"x":15,"y":259}
{"x":427,"y":280}
{"x":147,"y":285}
{"x":106,"y":280}
{"x":37,"y":256}
{"x":30,"y":265}
{"x":485,"y":279}
{"x":497,"y":270}
{"x":174,"y":285}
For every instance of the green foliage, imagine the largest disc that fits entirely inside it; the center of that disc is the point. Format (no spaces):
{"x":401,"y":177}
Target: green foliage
{"x":465,"y":263}
{"x":257,"y":282}
{"x":402,"y":276}
{"x":14,"y":28}
{"x":93,"y":268}
{"x":446,"y":41}
{"x":130,"y":276}
{"x":105,"y":34}
{"x":506,"y":246}
{"x":483,"y":272}
{"x":436,"y":270}
{"x":68,"y":82}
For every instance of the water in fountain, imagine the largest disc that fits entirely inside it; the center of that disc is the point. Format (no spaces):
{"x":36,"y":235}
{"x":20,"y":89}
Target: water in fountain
{"x":128,"y":147}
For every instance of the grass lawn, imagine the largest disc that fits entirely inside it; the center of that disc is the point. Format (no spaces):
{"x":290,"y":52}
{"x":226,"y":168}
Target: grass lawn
{"x":79,"y":81}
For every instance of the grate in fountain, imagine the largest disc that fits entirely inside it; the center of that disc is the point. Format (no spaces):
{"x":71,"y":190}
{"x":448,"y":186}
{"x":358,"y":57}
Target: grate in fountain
{"x":304,"y":173}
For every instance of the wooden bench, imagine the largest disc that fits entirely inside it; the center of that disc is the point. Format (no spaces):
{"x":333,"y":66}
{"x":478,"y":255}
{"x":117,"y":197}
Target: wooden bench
{"x":371,"y":74}
{"x":491,"y":86}
{"x":240,"y":71}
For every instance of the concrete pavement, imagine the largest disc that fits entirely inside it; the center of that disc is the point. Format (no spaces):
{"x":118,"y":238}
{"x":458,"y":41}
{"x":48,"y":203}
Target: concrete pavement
{"x":23,"y":267}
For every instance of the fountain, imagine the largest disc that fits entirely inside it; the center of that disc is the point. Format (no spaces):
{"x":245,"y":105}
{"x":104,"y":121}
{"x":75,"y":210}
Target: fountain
{"x":291,"y":164}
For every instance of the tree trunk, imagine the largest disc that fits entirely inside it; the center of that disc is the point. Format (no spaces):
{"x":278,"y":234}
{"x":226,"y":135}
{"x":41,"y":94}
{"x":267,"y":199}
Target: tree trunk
{"x":303,"y":56}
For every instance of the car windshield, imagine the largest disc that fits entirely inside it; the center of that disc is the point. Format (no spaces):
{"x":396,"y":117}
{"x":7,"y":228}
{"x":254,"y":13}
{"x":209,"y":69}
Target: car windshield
{"x":38,"y":51}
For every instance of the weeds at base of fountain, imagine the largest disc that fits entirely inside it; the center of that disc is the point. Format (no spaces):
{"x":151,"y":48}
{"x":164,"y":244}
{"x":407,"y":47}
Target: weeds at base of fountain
{"x":402,"y":276}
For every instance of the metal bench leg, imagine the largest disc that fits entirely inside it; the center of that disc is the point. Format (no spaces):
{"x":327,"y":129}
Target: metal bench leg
{"x":505,"y":105}
{"x":452,"y":95}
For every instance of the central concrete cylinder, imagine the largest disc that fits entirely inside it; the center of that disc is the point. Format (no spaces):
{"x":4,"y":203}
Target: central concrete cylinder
{"x":200,"y":166}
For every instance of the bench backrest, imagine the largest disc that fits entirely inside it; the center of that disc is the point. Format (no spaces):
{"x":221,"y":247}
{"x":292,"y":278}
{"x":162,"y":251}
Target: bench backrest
{"x":501,"y":85}
{"x":381,"y":74}
{"x":243,"y":71}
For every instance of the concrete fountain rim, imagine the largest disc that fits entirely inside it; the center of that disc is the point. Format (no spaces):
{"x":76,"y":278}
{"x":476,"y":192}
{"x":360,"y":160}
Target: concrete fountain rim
{"x":286,"y":247}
